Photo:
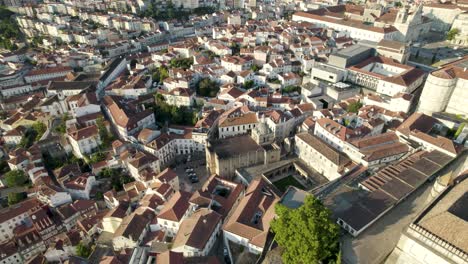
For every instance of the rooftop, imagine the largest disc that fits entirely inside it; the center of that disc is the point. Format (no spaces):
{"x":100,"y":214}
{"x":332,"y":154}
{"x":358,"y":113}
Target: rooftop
{"x":233,"y":146}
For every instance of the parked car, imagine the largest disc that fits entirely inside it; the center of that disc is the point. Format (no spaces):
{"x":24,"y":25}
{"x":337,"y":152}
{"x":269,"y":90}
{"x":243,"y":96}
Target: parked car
{"x":194,"y":179}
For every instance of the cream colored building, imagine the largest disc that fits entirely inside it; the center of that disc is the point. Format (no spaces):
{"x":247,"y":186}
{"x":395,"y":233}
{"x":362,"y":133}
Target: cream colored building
{"x":320,"y":156}
{"x":445,"y":89}
{"x":224,"y":157}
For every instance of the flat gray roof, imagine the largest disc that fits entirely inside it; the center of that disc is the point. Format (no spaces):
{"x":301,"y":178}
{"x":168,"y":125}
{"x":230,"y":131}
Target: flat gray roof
{"x":351,"y":51}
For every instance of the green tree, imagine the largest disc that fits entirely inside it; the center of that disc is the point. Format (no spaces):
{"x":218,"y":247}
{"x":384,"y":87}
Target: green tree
{"x":83,"y":250}
{"x":354,"y":107}
{"x":160,"y":74}
{"x":306,"y":234}
{"x":452,"y":34}
{"x":183,"y":63}
{"x":255,"y":68}
{"x":398,"y":4}
{"x":14,"y":198}
{"x":291,"y":89}
{"x":249,"y":84}
{"x":207,"y":87}
{"x":40,"y":129}
{"x":4,"y":166}
{"x":97,"y":157}
{"x":104,"y":134}
{"x":62,"y":127}
{"x":15,"y":178}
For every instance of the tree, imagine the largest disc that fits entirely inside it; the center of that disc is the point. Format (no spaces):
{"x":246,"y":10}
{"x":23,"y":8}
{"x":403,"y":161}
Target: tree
{"x":104,"y":134}
{"x":354,"y":107}
{"x":249,"y":84}
{"x":160,"y":74}
{"x":83,"y":250}
{"x":4,"y":166}
{"x":14,"y":198}
{"x":62,"y":127}
{"x":255,"y":68}
{"x":306,"y":234}
{"x":207,"y":87}
{"x":452,"y":34}
{"x":181,"y":63}
{"x":40,"y":129}
{"x":15,"y":178}
{"x":97,"y":157}
{"x":398,"y":4}
{"x":117,"y":178}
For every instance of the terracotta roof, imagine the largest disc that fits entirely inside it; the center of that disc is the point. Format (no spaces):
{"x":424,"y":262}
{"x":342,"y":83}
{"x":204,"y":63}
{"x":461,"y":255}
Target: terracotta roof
{"x":251,"y":219}
{"x":339,"y":131}
{"x":196,"y":230}
{"x":338,"y":158}
{"x":417,"y":121}
{"x":248,"y":118}
{"x":49,"y":70}
{"x":176,"y":207}
{"x":84,"y":133}
{"x":18,"y":209}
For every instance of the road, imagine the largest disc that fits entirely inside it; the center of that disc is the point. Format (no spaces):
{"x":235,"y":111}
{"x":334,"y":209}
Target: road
{"x":377,"y":242}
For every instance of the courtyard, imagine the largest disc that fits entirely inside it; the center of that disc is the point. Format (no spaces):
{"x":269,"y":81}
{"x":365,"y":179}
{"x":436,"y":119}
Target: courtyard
{"x":287,"y":181}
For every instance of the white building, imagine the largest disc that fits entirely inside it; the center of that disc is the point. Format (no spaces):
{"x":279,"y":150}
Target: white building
{"x":257,"y":206}
{"x":80,"y":187}
{"x":14,"y":216}
{"x":179,"y":97}
{"x":197,"y":234}
{"x":85,"y":140}
{"x":445,"y":89}
{"x":236,"y":124}
{"x":174,"y":212}
{"x":46,"y":74}
{"x":320,"y":156}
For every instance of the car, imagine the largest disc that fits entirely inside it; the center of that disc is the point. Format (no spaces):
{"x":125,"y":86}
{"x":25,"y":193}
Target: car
{"x":194,"y":179}
{"x":189,"y":170}
{"x":226,"y":256}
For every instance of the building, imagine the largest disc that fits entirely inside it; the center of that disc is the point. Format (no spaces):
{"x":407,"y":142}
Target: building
{"x":249,"y":224}
{"x":47,"y":74}
{"x":388,"y":187}
{"x":230,"y":125}
{"x":333,"y":133}
{"x":174,"y":212}
{"x":396,"y":50}
{"x":85,"y":140}
{"x":179,"y":97}
{"x":385,"y":76}
{"x":416,"y":129}
{"x":461,"y":24}
{"x":332,"y":17}
{"x":14,"y":216}
{"x":197,"y":234}
{"x":320,"y":156}
{"x":376,"y":150}
{"x":127,"y":116}
{"x":445,"y":90}
{"x":224,"y":157}
{"x":219,"y":195}
{"x":442,"y":14}
{"x":438,"y":233}
{"x":132,"y":229}
{"x":80,"y":187}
